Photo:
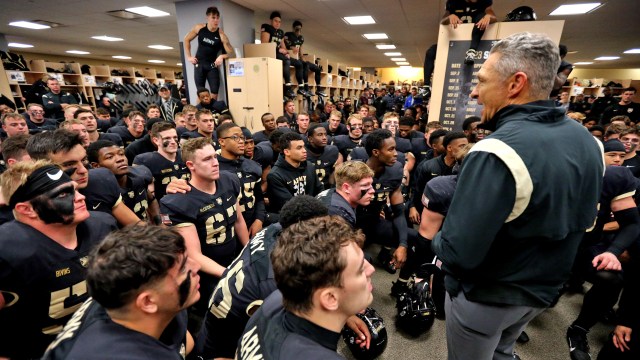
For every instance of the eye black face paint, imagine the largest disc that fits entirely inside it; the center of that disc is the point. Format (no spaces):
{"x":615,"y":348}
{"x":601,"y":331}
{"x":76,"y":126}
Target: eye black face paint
{"x":56,"y":206}
{"x":165,"y":144}
{"x":185,"y":288}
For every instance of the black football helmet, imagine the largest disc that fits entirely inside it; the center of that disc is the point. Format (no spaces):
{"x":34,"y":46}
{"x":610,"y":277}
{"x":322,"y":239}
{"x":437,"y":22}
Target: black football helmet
{"x":378,"y":332}
{"x":416,"y":310}
{"x":522,"y":13}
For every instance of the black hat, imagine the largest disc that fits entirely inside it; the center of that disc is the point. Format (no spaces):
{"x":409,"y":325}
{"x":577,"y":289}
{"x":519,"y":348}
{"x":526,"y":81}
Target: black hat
{"x":613,"y":145}
{"x":247,"y":133}
{"x":165,"y":87}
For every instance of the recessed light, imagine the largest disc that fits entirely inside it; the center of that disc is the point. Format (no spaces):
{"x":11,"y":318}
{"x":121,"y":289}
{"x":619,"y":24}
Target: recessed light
{"x":156,"y":61}
{"x":401,"y":63}
{"x":179,"y":64}
{"x":107,"y":38}
{"x":632,"y":51}
{"x":607,"y":58}
{"x":123,"y":57}
{"x":29,"y":25}
{"x":358,"y":20}
{"x":398,"y":59}
{"x":385,"y":47}
{"x":583,"y":63}
{"x":19,"y":45}
{"x":147,"y":11}
{"x":357,"y":69}
{"x":575,"y":9}
{"x":78,"y":52}
{"x":393,"y":54}
{"x":376,"y":36}
{"x":161,"y":47}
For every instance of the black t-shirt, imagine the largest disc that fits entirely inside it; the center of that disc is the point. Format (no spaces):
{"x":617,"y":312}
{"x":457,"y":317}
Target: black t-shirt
{"x":633,"y":164}
{"x":232,"y":303}
{"x":324,"y":163}
{"x":632,"y":110}
{"x":102,"y":191}
{"x":209,"y":44}
{"x":274,"y":333}
{"x":43,"y":283}
{"x":275,"y":36}
{"x":163,"y":170}
{"x":91,"y":334}
{"x":467,"y":10}
{"x":135,"y":194}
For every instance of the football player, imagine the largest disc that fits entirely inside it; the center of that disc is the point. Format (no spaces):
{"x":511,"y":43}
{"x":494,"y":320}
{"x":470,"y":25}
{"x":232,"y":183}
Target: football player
{"x":323,"y":279}
{"x":140,"y":280}
{"x":99,"y":186}
{"x":136,"y":182}
{"x":208,"y":217}
{"x":354,"y":186}
{"x":346,"y":143}
{"x":43,"y":256}
{"x":165,"y":164}
{"x":273,"y":33}
{"x":324,"y":157}
{"x":249,"y":172}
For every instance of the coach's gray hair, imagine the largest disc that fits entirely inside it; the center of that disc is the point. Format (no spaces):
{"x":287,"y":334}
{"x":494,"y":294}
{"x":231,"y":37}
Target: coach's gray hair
{"x":534,"y":54}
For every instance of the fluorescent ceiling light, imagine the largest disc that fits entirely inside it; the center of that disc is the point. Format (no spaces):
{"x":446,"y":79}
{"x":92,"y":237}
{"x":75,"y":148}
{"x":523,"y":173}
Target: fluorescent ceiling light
{"x":607,"y":58}
{"x":583,"y":63}
{"x":359,"y":20}
{"x":123,"y":57}
{"x":376,"y":36}
{"x":393,"y":54}
{"x":398,"y":59}
{"x":179,"y":64}
{"x":107,"y":38}
{"x":156,"y":61}
{"x":161,"y":47}
{"x":19,"y":45}
{"x":78,"y":52}
{"x":29,"y":25}
{"x":574,"y":9}
{"x":630,"y":51}
{"x":401,"y":63}
{"x":385,"y":47}
{"x":147,"y":11}
{"x":356,"y":69}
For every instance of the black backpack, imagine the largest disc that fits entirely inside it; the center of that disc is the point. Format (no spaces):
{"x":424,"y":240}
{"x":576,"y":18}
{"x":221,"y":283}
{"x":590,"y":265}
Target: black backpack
{"x":35,"y":92}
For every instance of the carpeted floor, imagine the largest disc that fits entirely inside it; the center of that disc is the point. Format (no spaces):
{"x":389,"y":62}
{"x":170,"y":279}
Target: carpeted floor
{"x":547,"y":331}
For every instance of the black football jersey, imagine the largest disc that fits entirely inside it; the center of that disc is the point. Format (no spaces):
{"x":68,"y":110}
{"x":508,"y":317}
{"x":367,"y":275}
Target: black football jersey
{"x":420,"y":150}
{"x":438,"y":193}
{"x":274,"y":333}
{"x":246,"y":282}
{"x":346,"y":144}
{"x":292,"y":41}
{"x":360,"y":154}
{"x":43,"y":283}
{"x":163,"y":170}
{"x":102,"y":191}
{"x":91,"y":334}
{"x":135,"y":195}
{"x":125,"y":135}
{"x":275,"y":36}
{"x":249,"y":174}
{"x":324,"y":163}
{"x":384,"y":186}
{"x":213,"y":216}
